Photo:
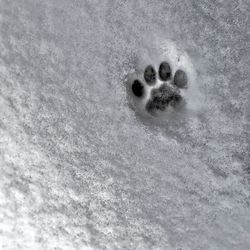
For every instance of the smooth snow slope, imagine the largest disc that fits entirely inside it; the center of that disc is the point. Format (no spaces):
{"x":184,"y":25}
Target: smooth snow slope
{"x":79,"y":169}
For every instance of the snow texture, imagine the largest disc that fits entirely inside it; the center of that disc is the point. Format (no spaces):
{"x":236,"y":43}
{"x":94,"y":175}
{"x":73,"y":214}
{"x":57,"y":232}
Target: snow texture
{"x":80,"y":169}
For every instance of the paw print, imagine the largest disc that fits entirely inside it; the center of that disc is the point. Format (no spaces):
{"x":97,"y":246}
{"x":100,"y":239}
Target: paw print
{"x":156,"y":91}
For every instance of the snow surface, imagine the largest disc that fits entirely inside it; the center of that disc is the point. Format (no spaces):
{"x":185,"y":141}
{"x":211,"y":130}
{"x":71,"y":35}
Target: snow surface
{"x":80,"y":169}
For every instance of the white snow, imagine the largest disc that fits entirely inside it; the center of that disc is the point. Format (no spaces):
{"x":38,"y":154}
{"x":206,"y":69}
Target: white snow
{"x":80,"y":169}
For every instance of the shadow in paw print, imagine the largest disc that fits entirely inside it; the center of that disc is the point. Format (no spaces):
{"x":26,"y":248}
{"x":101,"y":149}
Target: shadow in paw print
{"x":138,"y":88}
{"x":162,"y":97}
{"x":180,"y":79}
{"x":164,"y":71}
{"x":150,"y":75}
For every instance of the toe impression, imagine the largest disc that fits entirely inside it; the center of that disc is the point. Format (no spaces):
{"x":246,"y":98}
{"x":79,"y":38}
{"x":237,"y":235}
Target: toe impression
{"x":164,"y":71}
{"x":150,"y":75}
{"x":137,"y":88}
{"x":180,"y":79}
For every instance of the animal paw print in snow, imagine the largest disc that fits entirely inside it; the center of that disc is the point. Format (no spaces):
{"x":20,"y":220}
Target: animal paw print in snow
{"x":163,"y":88}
